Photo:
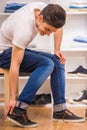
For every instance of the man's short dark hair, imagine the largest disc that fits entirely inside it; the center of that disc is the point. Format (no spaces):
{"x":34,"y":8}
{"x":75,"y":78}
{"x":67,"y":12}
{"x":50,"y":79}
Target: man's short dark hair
{"x":54,"y":15}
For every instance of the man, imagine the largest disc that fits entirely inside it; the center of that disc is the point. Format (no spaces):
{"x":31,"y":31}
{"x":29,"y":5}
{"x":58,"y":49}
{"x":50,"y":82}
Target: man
{"x":15,"y":35}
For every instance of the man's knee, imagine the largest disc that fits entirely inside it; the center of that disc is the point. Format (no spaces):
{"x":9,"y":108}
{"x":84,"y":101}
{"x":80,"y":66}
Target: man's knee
{"x":49,"y":63}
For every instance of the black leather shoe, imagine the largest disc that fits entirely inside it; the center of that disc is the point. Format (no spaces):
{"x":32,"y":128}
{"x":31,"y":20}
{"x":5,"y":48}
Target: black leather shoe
{"x":79,"y":70}
{"x":67,"y":116}
{"x":41,"y":99}
{"x":20,"y":118}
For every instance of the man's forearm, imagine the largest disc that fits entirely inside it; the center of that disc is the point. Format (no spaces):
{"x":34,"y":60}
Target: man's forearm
{"x":17,"y":56}
{"x":57,"y":39}
{"x":13,"y":82}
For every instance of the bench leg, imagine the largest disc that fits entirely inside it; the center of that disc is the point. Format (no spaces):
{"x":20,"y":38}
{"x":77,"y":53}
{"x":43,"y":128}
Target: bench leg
{"x":6,"y":86}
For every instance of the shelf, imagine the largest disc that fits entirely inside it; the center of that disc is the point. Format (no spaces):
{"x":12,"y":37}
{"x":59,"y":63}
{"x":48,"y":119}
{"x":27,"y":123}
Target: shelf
{"x":44,"y":49}
{"x":5,"y":14}
{"x":21,"y":77}
{"x":68,"y":12}
{"x":67,"y":77}
{"x":72,"y":49}
{"x":76,"y":12}
{"x":76,"y":78}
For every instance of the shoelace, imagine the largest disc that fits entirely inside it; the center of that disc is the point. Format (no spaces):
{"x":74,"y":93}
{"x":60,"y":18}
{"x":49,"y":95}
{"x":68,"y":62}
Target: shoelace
{"x":67,"y":112}
{"x":25,"y":117}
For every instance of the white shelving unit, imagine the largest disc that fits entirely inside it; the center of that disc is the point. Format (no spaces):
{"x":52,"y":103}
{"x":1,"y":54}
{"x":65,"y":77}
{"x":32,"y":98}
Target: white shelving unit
{"x":76,"y":55}
{"x":76,"y":25}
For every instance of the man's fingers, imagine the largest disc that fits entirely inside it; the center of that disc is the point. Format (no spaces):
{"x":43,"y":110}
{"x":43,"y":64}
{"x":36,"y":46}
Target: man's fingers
{"x":10,"y":107}
{"x":62,"y":61}
{"x":11,"y":110}
{"x":6,"y":111}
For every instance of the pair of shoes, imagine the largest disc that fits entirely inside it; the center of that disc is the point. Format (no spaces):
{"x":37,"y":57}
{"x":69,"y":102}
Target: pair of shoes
{"x":41,"y":99}
{"x":80,"y":71}
{"x":20,"y":118}
{"x":67,"y":116}
{"x":83,"y":96}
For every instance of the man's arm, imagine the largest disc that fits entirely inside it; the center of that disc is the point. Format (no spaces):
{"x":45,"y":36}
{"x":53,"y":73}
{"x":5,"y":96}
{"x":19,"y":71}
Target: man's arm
{"x":57,"y":45}
{"x":16,"y":59}
{"x":58,"y":39}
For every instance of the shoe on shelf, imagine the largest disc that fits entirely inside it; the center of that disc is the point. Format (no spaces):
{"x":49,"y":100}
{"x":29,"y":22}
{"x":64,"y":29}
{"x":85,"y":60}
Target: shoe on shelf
{"x":41,"y":100}
{"x":80,"y":70}
{"x":21,"y":119}
{"x":67,"y":116}
{"x":83,"y":73}
{"x":84,"y":101}
{"x":83,"y":96}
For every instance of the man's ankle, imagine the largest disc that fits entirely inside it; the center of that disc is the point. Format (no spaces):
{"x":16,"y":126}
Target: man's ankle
{"x":18,"y":110}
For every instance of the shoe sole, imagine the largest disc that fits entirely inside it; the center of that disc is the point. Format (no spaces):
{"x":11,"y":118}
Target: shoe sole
{"x":75,"y":121}
{"x":84,"y":101}
{"x":83,"y":75}
{"x":35,"y":125}
{"x":71,"y":101}
{"x":74,"y":75}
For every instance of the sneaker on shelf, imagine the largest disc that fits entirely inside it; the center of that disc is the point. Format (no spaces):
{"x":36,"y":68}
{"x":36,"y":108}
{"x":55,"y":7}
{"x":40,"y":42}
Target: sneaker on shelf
{"x":67,"y":116}
{"x":79,"y":70}
{"x":84,"y":101}
{"x":83,"y":73}
{"x":86,"y":114}
{"x":21,"y":119}
{"x":82,"y":97}
{"x":41,"y":100}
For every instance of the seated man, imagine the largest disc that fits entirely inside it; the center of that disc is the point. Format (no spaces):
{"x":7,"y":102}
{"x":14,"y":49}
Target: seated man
{"x":16,"y":33}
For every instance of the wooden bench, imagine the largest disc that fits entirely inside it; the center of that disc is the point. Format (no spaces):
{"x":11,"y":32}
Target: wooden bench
{"x":5,"y":73}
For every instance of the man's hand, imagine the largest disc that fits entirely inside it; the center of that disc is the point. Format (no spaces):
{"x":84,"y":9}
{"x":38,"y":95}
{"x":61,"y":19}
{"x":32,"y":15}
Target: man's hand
{"x":10,"y":107}
{"x":61,"y":56}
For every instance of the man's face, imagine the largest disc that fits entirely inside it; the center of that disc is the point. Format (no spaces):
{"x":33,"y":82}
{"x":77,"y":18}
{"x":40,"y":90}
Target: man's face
{"x":44,"y":28}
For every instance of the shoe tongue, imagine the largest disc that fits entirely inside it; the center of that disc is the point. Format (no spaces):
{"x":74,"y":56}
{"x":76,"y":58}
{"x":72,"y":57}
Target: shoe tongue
{"x":68,"y":112}
{"x":80,"y":68}
{"x":19,"y":111}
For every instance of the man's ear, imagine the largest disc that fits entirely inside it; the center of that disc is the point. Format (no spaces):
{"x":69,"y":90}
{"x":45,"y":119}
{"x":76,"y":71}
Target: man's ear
{"x":40,"y":18}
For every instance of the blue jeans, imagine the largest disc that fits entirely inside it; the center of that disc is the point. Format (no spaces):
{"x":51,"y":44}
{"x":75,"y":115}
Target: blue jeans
{"x":40,"y":65}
